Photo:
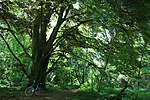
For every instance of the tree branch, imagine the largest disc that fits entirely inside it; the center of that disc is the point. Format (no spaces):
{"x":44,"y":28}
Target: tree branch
{"x":59,"y":40}
{"x":52,"y":67}
{"x":9,"y":29}
{"x":67,"y":11}
{"x":22,"y":65}
{"x":55,"y":30}
{"x":61,"y":55}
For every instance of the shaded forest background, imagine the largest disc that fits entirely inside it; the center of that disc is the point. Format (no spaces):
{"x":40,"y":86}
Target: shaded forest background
{"x":90,"y":45}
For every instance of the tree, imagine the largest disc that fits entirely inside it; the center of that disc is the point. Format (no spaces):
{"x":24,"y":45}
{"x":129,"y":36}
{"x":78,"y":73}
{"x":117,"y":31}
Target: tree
{"x":56,"y":28}
{"x":34,"y":19}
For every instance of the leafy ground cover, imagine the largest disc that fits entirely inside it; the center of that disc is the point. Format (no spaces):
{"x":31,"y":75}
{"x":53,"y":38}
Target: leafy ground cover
{"x":11,"y":94}
{"x":8,"y":94}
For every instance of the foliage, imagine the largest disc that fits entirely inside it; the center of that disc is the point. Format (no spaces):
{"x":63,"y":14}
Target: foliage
{"x":89,"y":45}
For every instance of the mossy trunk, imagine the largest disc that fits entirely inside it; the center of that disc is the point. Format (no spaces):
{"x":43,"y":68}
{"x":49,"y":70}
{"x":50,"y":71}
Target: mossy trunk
{"x":38,"y":72}
{"x":42,"y":49}
{"x":39,"y":62}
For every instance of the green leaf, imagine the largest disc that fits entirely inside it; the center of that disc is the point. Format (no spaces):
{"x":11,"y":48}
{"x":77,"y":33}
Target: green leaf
{"x":143,"y":70}
{"x":134,"y":79}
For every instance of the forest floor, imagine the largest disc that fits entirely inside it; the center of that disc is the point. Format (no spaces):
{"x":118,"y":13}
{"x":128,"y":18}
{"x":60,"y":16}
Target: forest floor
{"x":54,"y":95}
{"x":7,"y":94}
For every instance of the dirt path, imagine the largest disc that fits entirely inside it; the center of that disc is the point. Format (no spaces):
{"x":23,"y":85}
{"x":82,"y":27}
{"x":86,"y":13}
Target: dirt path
{"x":55,"y":95}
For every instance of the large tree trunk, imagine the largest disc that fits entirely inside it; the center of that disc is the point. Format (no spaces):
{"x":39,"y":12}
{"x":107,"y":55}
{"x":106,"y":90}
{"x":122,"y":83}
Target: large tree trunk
{"x":42,"y":49}
{"x":39,"y":63}
{"x":43,"y":74}
{"x":38,"y":72}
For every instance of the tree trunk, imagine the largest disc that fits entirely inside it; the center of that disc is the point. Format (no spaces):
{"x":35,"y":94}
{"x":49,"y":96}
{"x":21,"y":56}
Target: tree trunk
{"x":38,"y":72}
{"x":41,"y":49}
{"x":39,"y":63}
{"x":43,"y":74}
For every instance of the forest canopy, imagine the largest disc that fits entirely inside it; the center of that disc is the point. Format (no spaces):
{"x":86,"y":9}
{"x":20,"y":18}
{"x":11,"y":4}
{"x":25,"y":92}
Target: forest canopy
{"x":84,"y":44}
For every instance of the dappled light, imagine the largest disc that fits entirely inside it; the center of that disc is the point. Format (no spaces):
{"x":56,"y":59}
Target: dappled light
{"x":74,"y":50}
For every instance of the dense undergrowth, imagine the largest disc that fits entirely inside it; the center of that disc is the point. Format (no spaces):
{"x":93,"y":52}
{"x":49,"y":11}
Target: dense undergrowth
{"x":108,"y":93}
